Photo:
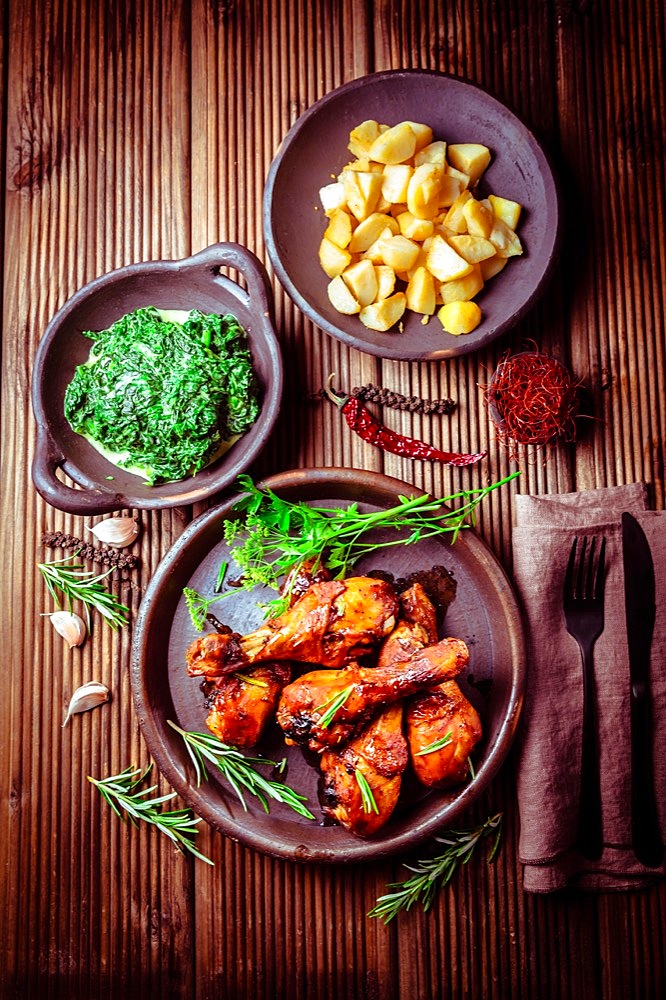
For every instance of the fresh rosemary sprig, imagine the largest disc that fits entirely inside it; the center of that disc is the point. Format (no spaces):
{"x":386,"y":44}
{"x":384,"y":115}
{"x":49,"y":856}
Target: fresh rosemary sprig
{"x":367,"y":798}
{"x":433,"y":873}
{"x":333,"y":705}
{"x":198,"y":605}
{"x":239,"y":771}
{"x":273,"y":535}
{"x":76,"y":583}
{"x":439,"y":744}
{"x":120,"y":791}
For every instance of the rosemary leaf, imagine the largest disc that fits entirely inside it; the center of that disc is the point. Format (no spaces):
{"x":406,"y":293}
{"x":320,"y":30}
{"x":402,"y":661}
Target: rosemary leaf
{"x":240,"y":771}
{"x":367,"y":798}
{"x":75,"y":583}
{"x":431,"y":874}
{"x":334,"y":704}
{"x":122,"y":793}
{"x":439,"y":744}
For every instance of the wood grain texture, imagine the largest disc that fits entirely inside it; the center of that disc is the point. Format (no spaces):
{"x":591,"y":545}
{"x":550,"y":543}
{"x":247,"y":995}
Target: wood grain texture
{"x":138,"y":130}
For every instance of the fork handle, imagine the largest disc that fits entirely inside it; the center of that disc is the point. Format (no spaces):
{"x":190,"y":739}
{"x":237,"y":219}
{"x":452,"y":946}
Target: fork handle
{"x":589,"y":839}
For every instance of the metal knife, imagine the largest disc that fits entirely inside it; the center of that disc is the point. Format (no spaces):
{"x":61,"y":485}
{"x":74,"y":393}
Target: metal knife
{"x":640,"y":609}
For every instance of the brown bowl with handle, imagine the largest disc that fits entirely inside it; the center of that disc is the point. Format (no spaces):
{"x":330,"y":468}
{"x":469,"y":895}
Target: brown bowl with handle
{"x":191,"y":283}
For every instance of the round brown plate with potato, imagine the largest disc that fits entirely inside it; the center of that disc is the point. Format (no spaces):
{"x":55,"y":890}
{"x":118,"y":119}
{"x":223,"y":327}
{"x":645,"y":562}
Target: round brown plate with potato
{"x":313,"y":155}
{"x":484,"y":614}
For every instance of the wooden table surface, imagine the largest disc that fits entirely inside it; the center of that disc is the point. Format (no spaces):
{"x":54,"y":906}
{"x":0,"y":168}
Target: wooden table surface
{"x":139,"y":130}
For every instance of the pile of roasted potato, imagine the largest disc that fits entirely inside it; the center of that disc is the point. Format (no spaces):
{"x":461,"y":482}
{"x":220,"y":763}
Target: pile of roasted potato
{"x":405,"y":230}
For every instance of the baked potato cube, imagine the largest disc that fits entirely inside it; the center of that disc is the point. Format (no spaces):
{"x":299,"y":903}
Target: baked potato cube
{"x":362,"y":137}
{"x":384,"y":314}
{"x":421,"y":261}
{"x":341,"y":297}
{"x":492,"y":266}
{"x":395,"y":180}
{"x":472,"y":248}
{"x":458,"y":175}
{"x":480,"y":219}
{"x":376,"y":249}
{"x":470,"y":157}
{"x":385,"y":281}
{"x":506,"y":210}
{"x":448,"y":192}
{"x":339,"y":229}
{"x":459,"y":317}
{"x":422,"y":132}
{"x":462,"y":289}
{"x":455,"y":217}
{"x":434,"y":152}
{"x":332,"y":197}
{"x":421,"y":292}
{"x":505,"y":241}
{"x":370,"y":230}
{"x":423,"y":190}
{"x":362,"y":190}
{"x":396,"y":145}
{"x":443,"y":262}
{"x":399,"y":253}
{"x":332,"y":258}
{"x":413,"y":228}
{"x":361,"y":281}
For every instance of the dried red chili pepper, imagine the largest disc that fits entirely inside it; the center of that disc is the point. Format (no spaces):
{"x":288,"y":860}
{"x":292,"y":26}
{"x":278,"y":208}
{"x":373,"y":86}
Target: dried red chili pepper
{"x":363,"y":423}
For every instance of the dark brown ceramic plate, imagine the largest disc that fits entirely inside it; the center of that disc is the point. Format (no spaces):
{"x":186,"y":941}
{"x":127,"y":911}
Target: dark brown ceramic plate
{"x":316,"y":148}
{"x":484,"y":614}
{"x":192,"y":283}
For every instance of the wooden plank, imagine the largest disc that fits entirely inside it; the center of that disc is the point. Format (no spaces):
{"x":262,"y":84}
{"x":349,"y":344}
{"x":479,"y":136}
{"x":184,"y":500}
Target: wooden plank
{"x":94,"y":96}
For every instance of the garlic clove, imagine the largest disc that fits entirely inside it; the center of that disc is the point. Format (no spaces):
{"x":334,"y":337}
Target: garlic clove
{"x":118,"y":531}
{"x":70,"y":626}
{"x":87,"y":696}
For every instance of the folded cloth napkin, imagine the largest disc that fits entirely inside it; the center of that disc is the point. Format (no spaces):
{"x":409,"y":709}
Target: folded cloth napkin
{"x":550,"y":740}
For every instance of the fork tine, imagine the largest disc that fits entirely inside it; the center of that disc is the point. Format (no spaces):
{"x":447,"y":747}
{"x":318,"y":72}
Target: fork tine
{"x":601,"y":566}
{"x":580,"y":575}
{"x":568,"y":576}
{"x":590,"y":571}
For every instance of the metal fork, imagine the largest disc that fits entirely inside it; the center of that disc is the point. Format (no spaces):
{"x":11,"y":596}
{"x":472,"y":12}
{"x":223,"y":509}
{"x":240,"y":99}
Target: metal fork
{"x":584,"y":615}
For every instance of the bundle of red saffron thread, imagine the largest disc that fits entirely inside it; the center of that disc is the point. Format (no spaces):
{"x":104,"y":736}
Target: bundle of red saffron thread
{"x":533,"y":399}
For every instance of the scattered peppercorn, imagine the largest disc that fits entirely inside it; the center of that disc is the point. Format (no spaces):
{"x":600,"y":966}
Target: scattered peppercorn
{"x":104,"y":555}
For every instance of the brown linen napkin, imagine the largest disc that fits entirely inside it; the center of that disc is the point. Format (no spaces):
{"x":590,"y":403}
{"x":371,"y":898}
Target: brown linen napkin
{"x":549,"y":745}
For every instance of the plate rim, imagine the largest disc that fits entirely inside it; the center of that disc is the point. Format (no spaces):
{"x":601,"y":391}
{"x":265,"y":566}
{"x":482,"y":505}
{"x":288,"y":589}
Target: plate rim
{"x":358,"y":850}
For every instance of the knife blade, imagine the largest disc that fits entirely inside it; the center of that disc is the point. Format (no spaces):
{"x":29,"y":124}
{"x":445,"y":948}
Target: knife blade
{"x":640,"y":610}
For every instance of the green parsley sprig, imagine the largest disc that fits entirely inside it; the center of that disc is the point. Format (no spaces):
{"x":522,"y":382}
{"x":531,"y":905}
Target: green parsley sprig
{"x":433,"y":873}
{"x":272,"y":535}
{"x":121,"y":791}
{"x":239,"y":771}
{"x":76,"y":583}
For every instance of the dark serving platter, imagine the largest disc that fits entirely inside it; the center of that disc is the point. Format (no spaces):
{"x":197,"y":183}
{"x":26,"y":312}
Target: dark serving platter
{"x":484,"y":613}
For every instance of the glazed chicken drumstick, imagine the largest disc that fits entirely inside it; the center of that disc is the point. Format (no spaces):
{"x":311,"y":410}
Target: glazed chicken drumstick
{"x":379,"y":753}
{"x":333,"y":623}
{"x":362,"y":691}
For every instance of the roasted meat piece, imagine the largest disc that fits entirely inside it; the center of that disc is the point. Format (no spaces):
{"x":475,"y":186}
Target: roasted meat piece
{"x":433,"y":715}
{"x":379,"y":754}
{"x":416,"y":628}
{"x":243,"y":705}
{"x":333,"y":623}
{"x":361,"y":692}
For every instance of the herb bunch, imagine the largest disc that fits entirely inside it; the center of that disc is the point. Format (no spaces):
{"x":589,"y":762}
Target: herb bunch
{"x":433,"y":873}
{"x":121,"y":791}
{"x":73,"y":581}
{"x":272,"y":536}
{"x":240,"y":771}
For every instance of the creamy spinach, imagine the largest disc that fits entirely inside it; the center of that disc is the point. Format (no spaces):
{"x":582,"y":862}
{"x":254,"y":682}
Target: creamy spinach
{"x":165,"y":397}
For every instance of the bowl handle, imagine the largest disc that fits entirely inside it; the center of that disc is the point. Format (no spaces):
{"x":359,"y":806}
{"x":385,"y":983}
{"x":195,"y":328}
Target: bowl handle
{"x":239,"y":257}
{"x":46,"y":461}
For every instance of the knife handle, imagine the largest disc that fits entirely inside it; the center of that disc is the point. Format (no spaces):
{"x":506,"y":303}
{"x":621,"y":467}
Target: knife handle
{"x":645,"y":834}
{"x":589,"y":839}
